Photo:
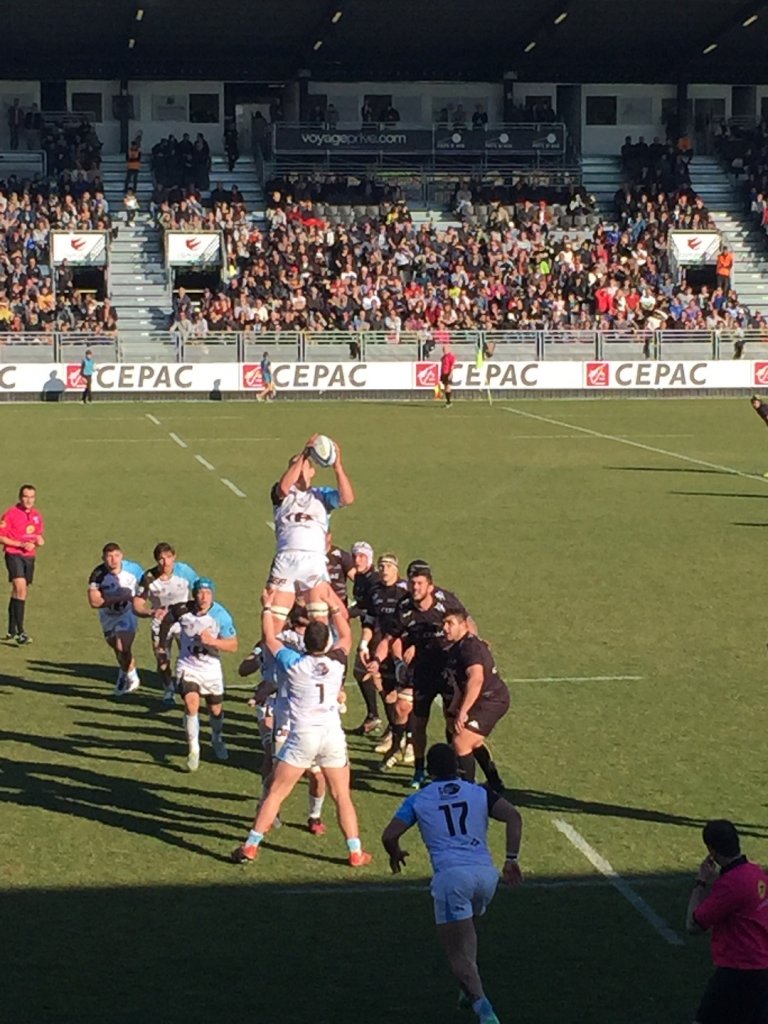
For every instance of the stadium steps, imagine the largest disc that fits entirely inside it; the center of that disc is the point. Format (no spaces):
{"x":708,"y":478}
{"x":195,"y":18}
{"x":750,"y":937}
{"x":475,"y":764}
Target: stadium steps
{"x":726,"y":205}
{"x":139,"y":284}
{"x":602,"y":178}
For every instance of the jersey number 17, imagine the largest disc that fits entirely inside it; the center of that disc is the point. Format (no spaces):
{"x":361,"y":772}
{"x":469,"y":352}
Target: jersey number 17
{"x":455,"y":823}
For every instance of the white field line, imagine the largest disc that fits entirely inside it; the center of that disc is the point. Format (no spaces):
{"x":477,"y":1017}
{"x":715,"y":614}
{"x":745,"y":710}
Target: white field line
{"x":152,"y":419}
{"x":635,"y":444}
{"x":422,"y":887}
{"x":580,"y":437}
{"x":227,"y":440}
{"x":620,"y":884}
{"x":233,"y":487}
{"x":177,"y":440}
{"x":580,"y":679}
{"x":204,"y":462}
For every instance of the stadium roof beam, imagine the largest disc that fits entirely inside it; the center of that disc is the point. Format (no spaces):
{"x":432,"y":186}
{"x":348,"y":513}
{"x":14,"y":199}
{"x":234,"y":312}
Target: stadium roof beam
{"x":324,"y":28}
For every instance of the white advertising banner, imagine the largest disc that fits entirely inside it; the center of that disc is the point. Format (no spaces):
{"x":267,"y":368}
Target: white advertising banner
{"x":665,"y":376}
{"x":50,"y":379}
{"x":188,"y":248}
{"x":80,"y":248}
{"x":692,"y":247}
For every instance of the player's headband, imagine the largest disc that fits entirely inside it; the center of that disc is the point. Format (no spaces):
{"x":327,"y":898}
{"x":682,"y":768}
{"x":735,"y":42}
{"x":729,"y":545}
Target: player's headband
{"x":418,"y":567}
{"x":388,"y":559}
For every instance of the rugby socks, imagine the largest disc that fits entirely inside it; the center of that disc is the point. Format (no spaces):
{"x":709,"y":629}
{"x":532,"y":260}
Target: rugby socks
{"x":418,"y":765}
{"x":487,"y":765}
{"x":16,"y":615}
{"x":398,"y":731}
{"x":389,"y":713}
{"x":483,"y":1008}
{"x":467,"y":767}
{"x":217,"y":725}
{"x":254,"y":838}
{"x":192,"y":729}
{"x":354,"y":845}
{"x":409,"y":728}
{"x":316,"y":806}
{"x":368,"y":691}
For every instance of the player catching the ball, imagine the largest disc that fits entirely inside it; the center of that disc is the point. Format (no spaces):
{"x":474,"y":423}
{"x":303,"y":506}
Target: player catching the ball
{"x":302,"y":516}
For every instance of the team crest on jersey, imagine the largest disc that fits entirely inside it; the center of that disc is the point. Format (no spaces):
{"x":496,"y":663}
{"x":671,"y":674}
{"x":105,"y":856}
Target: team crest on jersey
{"x":319,"y":668}
{"x":449,"y":789}
{"x":30,"y":528}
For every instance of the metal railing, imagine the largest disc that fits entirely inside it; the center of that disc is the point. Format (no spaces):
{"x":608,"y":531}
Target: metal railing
{"x":382,"y":346}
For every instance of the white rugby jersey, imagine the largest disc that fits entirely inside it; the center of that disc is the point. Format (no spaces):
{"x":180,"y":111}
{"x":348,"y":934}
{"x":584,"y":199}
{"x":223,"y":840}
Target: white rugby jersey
{"x":302,"y":518}
{"x":110,"y":584}
{"x":162,"y":592}
{"x":282,"y":717}
{"x":193,"y":655}
{"x":452,"y":816}
{"x":309,"y":685}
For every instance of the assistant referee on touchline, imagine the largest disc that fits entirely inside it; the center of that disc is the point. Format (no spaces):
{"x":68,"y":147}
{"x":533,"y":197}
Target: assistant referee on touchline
{"x":730,"y":900}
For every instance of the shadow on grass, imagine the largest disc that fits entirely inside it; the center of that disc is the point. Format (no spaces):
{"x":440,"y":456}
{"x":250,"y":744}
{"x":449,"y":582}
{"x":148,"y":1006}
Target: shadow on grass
{"x":720,"y":494}
{"x":557,"y":950}
{"x":670,"y":469}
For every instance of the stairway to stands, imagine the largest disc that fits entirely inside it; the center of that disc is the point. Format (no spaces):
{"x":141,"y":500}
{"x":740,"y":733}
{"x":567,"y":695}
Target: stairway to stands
{"x":746,"y":241}
{"x":140,"y":285}
{"x":602,"y":178}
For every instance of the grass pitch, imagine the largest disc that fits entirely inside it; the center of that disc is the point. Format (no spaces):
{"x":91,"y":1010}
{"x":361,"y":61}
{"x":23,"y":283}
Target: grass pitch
{"x":583,"y":557}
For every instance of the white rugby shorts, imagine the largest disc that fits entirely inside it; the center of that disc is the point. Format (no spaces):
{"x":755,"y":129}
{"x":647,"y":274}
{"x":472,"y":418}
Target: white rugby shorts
{"x":462,"y":892}
{"x":297,"y":571}
{"x":208,"y":685}
{"x":124,"y":623}
{"x":321,"y":745}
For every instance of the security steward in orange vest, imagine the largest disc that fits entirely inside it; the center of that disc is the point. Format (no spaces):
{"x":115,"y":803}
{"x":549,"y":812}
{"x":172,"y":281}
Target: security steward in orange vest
{"x":133,"y":166}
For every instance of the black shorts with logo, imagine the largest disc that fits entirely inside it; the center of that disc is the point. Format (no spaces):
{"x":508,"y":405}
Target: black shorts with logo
{"x":734,"y":997}
{"x":445,"y":379}
{"x":20,"y":568}
{"x":485,"y":714}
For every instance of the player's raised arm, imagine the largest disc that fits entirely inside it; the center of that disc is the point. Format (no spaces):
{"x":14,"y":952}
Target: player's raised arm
{"x":291,"y":476}
{"x":346,"y":492}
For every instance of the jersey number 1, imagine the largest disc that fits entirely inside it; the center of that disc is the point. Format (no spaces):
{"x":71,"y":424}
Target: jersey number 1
{"x":321,"y":691}
{"x":456,"y":827}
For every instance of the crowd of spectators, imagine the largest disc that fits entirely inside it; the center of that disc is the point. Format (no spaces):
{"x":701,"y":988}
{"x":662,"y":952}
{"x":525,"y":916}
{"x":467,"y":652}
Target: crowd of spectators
{"x":657,"y":197}
{"x":387,"y":273}
{"x":744,"y":151}
{"x":29,"y":211}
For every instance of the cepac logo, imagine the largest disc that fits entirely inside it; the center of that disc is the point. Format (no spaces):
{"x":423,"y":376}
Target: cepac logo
{"x":78,"y":243}
{"x":252,"y":378}
{"x":761,"y":374}
{"x":597,"y":375}
{"x":193,"y":244}
{"x":427,"y":375}
{"x":74,"y":378}
{"x":694,"y":243}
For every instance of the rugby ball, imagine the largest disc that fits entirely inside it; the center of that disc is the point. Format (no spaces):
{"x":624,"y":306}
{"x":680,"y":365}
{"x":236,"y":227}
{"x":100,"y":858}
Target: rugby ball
{"x":323,"y":451}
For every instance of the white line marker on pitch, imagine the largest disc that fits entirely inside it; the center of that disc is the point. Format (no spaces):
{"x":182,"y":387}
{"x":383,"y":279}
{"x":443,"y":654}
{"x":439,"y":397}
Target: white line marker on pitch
{"x":204,"y":462}
{"x":620,"y":884}
{"x":178,"y":440}
{"x":580,"y":679}
{"x":636,"y":444}
{"x":233,"y":487}
{"x":152,"y":419}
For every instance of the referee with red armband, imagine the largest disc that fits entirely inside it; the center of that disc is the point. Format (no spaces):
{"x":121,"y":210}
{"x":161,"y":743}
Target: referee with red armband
{"x":21,"y":534}
{"x":730,"y":900}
